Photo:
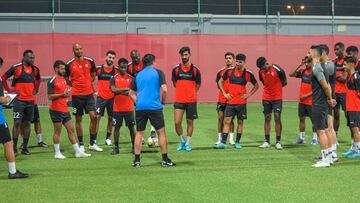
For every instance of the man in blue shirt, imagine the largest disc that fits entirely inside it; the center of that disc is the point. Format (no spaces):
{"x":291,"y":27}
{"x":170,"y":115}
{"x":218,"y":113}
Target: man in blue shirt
{"x":5,"y":137}
{"x":145,"y":91}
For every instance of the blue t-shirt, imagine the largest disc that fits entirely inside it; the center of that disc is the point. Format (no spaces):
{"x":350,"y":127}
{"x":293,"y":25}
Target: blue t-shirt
{"x":2,"y":116}
{"x":147,"y":86}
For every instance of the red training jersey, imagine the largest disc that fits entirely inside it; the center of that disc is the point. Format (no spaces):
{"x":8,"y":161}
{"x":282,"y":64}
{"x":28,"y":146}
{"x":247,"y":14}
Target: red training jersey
{"x":237,"y":84}
{"x":25,"y":80}
{"x":352,"y":94}
{"x":122,"y":103}
{"x":340,"y":87}
{"x":306,"y":85}
{"x":273,"y":80}
{"x":104,"y":75}
{"x":220,"y":73}
{"x":57,"y":85}
{"x":185,"y":79}
{"x":134,"y":69}
{"x":79,"y":73}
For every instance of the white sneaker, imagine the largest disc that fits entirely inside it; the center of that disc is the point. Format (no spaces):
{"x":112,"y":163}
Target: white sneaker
{"x":278,"y":146}
{"x":218,"y":142}
{"x":231,"y":141}
{"x":95,"y":148}
{"x":321,"y":164}
{"x":108,"y":142}
{"x":82,"y":149}
{"x":59,"y":156}
{"x":265,"y":145}
{"x":82,"y":155}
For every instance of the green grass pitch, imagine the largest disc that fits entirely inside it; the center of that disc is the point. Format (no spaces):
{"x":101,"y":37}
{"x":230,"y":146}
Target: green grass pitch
{"x":203,"y":175}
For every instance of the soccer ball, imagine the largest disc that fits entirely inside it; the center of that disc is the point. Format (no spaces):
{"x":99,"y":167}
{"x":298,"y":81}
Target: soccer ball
{"x":152,"y":142}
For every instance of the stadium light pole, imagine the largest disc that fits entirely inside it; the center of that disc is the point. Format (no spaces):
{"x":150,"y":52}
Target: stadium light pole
{"x":127,"y":16}
{"x":267,"y":16}
{"x":53,"y":16}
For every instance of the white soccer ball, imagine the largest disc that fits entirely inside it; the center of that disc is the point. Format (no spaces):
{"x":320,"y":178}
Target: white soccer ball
{"x":152,"y":142}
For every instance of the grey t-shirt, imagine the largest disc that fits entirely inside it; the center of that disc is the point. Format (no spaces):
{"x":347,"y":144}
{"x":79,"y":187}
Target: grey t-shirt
{"x":319,"y":96}
{"x":330,"y":67}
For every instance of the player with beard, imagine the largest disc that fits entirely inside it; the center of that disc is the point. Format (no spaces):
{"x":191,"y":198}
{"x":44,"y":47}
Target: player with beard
{"x":186,"y":78}
{"x":81,"y":73}
{"x":105,"y":98}
{"x":58,"y":92}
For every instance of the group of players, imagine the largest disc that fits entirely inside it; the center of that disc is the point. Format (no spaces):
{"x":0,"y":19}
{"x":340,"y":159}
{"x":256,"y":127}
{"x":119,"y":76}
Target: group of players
{"x":120,"y":87}
{"x":325,"y":87}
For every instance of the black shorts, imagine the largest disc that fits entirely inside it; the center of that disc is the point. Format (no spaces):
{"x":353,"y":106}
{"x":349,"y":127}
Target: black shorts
{"x":23,"y":110}
{"x":320,"y":117}
{"x":340,"y":101}
{"x":36,"y":118}
{"x":353,"y":119}
{"x":221,"y":106}
{"x":272,"y":106}
{"x":156,"y":118}
{"x":238,"y":110}
{"x":101,"y":104}
{"x":57,"y":116}
{"x":304,"y":110}
{"x":190,"y":108}
{"x":4,"y":133}
{"x":118,"y":118}
{"x":81,"y":103}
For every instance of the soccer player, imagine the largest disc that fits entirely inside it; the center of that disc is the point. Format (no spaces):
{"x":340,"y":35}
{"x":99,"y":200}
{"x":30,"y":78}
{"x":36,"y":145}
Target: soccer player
{"x":145,"y":91}
{"x":5,"y":137}
{"x":340,"y":85}
{"x":186,"y":78}
{"x":123,"y":105}
{"x":354,"y":52}
{"x":329,"y":65}
{"x":105,"y":98}
{"x":36,"y":121}
{"x":26,"y":80}
{"x":81,"y":72}
{"x":134,"y":67}
{"x":322,"y":98}
{"x":353,"y":105}
{"x":274,"y":79}
{"x":58,"y":92}
{"x":221,"y":105}
{"x":236,"y":96}
{"x":305,"y":98}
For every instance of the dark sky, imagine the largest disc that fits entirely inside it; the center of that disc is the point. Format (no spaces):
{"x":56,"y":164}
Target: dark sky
{"x":230,"y":7}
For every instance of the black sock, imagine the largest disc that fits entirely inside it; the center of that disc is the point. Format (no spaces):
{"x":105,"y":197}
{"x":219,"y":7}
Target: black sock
{"x":93,"y":138}
{"x":224,"y":137}
{"x":80,"y":138}
{"x":108,"y":135}
{"x":116,"y":144}
{"x":137,"y":158}
{"x":278,"y":138}
{"x":15,"y":141}
{"x":25,"y":143}
{"x":267,"y":138}
{"x":165,"y":157}
{"x":238,"y":137}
